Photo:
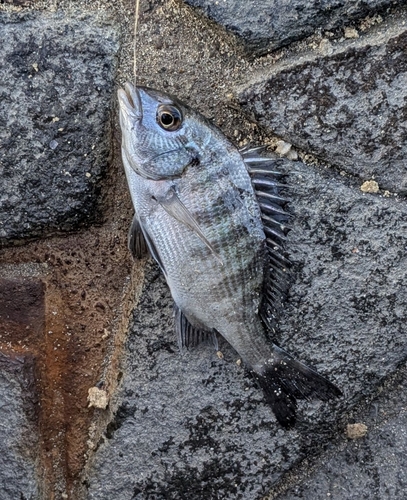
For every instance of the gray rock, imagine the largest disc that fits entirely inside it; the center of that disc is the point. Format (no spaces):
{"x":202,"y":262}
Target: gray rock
{"x":56,"y":87}
{"x":18,"y":439}
{"x":348,"y":301}
{"x":346,"y":108}
{"x":270,"y":24}
{"x":22,"y":311}
{"x":371,"y":467}
{"x":195,"y":426}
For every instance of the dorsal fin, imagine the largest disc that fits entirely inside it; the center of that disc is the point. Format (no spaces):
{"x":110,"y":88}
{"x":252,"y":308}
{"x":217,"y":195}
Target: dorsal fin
{"x":266,"y":180}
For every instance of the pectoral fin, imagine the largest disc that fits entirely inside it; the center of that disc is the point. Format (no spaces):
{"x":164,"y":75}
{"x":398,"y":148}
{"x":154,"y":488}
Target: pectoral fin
{"x":174,"y":207}
{"x":136,"y":241}
{"x":140,"y":243}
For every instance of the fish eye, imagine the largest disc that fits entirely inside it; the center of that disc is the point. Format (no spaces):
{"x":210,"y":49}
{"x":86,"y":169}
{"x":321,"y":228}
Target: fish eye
{"x":169,"y":117}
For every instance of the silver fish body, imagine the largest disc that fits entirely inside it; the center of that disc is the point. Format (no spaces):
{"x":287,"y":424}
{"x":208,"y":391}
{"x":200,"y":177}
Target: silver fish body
{"x":196,"y":208}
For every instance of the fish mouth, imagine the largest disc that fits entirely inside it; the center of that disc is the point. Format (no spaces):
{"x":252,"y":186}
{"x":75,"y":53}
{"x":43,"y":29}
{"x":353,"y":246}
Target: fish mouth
{"x":130,"y":102}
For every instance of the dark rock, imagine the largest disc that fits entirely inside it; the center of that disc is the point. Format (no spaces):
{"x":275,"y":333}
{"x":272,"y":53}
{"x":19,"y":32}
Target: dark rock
{"x":195,"y":426}
{"x":348,"y":301}
{"x":347,"y":108}
{"x":18,"y":439}
{"x":22,"y":318}
{"x":56,"y":87}
{"x":272,"y":24}
{"x":372,"y":467}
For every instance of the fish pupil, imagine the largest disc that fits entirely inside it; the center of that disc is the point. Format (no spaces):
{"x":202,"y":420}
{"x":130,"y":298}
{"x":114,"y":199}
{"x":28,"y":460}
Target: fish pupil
{"x":169,"y":117}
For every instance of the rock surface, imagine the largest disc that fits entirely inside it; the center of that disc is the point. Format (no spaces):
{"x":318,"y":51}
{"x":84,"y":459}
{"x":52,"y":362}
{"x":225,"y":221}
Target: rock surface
{"x":18,"y":467}
{"x":188,"y":426}
{"x":372,"y":467}
{"x":56,"y":87}
{"x":347,"y":108}
{"x":274,"y":23}
{"x":348,"y":301}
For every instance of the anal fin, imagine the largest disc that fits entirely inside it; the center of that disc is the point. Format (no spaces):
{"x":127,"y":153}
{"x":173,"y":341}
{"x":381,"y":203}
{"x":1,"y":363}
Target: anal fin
{"x":188,"y":335}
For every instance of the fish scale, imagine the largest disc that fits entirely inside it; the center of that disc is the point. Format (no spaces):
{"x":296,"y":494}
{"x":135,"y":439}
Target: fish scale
{"x":224,"y":288}
{"x":197,"y":212}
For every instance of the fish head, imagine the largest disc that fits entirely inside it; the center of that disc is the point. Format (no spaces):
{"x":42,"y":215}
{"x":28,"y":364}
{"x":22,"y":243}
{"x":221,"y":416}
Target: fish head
{"x":161,"y":136}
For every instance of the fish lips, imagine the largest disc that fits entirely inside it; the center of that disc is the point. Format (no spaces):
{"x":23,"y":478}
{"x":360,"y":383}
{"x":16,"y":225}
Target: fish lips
{"x":130,"y":102}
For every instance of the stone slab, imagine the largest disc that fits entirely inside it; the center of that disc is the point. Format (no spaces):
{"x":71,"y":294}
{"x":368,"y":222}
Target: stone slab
{"x":347,"y":108}
{"x":22,"y":320}
{"x":195,"y":426}
{"x":347,"y":296}
{"x":271,"y":24}
{"x":190,"y":426}
{"x":371,"y":467}
{"x":56,"y":88}
{"x":18,"y":438}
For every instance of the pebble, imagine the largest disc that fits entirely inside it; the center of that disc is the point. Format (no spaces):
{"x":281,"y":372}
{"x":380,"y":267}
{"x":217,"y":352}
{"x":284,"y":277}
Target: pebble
{"x":351,"y":33}
{"x":283,"y":148}
{"x":369,"y":187}
{"x":356,"y":431}
{"x":97,"y":398}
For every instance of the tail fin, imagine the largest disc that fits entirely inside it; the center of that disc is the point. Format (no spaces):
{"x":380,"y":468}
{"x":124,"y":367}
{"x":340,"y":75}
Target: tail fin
{"x":284,"y":380}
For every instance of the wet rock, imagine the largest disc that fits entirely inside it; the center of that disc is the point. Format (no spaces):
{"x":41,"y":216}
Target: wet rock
{"x":372,"y":467}
{"x":195,"y":425}
{"x":22,"y":312}
{"x":275,"y":23}
{"x":347,"y":108}
{"x":18,"y":439}
{"x":56,"y":87}
{"x":347,"y":300}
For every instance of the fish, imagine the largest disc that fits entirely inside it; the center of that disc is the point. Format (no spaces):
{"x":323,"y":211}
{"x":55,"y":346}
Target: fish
{"x":212,"y":218}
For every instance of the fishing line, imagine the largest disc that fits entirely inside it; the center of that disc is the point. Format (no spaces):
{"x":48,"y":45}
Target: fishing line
{"x":134,"y":39}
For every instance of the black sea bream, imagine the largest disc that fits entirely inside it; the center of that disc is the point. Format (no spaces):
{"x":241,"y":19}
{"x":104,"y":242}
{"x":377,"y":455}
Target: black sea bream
{"x":214,"y":237}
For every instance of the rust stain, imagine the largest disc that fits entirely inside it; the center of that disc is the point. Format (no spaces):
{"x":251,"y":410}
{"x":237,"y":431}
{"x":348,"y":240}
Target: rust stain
{"x":72,"y":321}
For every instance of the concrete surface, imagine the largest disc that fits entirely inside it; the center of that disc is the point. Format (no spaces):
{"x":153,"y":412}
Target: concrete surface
{"x":373,"y":467}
